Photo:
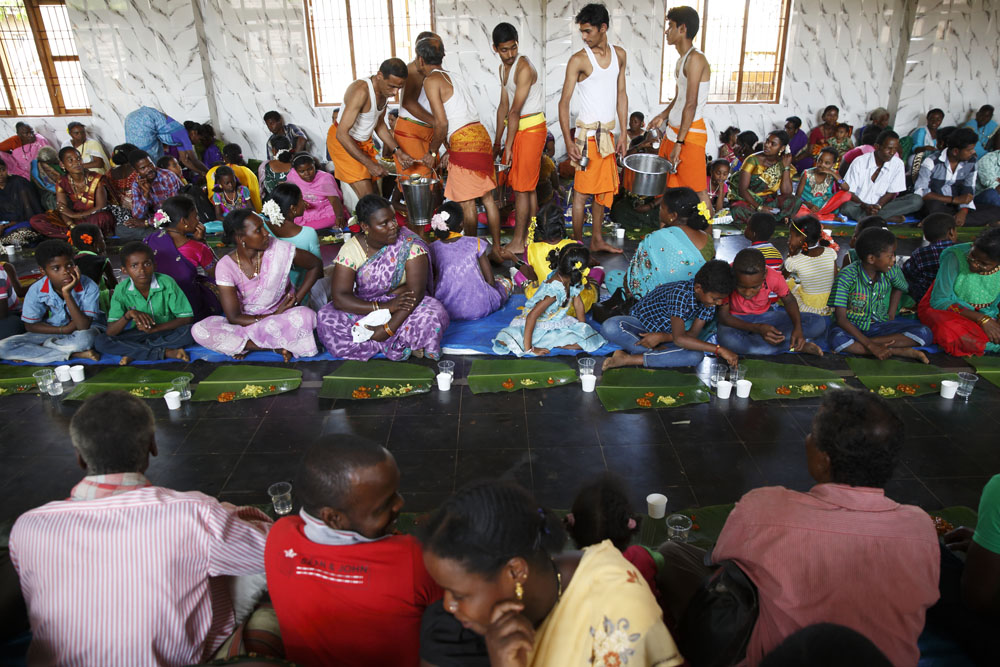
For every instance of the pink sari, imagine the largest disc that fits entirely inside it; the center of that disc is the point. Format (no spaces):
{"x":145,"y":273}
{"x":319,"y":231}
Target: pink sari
{"x":291,"y":330}
{"x":319,"y":212}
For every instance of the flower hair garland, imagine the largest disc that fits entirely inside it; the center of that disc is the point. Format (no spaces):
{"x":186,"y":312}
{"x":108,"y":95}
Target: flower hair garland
{"x":584,"y":272}
{"x":531,"y":230}
{"x":160,"y":219}
{"x":703,"y":210}
{"x":439,"y":221}
{"x":273,"y":212}
{"x":87,"y":238}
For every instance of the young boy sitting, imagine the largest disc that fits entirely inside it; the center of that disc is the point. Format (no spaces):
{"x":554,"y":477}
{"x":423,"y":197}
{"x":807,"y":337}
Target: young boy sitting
{"x":865,"y":297}
{"x":759,"y":231}
{"x":872,"y":221}
{"x":58,"y":311}
{"x":663,"y":330}
{"x":921,"y":268}
{"x":150,"y":318}
{"x":748,"y":324}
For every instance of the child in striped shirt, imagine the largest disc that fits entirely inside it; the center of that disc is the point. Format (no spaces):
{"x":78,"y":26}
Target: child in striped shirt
{"x":759,"y":231}
{"x":812,"y":264}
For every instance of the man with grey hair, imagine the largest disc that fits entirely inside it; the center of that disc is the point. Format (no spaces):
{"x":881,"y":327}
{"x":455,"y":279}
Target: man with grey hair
{"x":121,"y":572}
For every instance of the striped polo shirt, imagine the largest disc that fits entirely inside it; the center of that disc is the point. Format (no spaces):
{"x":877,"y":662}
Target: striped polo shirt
{"x":866,"y":301}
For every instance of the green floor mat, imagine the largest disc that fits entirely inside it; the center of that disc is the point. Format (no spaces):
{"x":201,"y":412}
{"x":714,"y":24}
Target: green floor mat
{"x":788,"y":381}
{"x":630,"y":388}
{"x":503,"y":375}
{"x":362,"y":380}
{"x":895,"y":379}
{"x":239,"y":382}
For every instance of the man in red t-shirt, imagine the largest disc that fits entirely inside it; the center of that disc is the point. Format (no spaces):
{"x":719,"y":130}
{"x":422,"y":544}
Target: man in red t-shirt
{"x":346,"y":592}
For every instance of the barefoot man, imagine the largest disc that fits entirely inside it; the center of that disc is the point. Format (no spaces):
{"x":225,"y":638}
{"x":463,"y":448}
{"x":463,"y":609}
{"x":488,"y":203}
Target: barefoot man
{"x":520,"y":110}
{"x":598,"y":72}
{"x":416,"y":123}
{"x":362,"y":114}
{"x":470,"y":157}
{"x":686,"y":137}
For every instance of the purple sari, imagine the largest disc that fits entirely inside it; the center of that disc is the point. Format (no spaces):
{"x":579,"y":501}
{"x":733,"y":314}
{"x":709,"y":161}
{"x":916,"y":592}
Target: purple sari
{"x":196,"y":287}
{"x":374,"y":281}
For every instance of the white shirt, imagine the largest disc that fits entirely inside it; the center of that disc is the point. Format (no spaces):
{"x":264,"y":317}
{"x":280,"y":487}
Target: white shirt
{"x":892,"y":178}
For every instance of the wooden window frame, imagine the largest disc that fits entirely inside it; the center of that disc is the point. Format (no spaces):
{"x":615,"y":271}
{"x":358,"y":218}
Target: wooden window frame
{"x":310,"y":37}
{"x":781,"y":50}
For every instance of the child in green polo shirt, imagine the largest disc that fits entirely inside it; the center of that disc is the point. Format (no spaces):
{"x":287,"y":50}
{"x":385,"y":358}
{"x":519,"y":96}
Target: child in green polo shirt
{"x":150,"y":318}
{"x":865,"y":296}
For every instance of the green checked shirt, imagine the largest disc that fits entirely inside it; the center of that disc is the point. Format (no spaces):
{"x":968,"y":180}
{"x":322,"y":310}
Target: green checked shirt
{"x":866,"y":302}
{"x":166,"y":301}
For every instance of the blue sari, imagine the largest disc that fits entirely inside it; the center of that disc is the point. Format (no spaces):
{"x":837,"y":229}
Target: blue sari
{"x":665,"y":256}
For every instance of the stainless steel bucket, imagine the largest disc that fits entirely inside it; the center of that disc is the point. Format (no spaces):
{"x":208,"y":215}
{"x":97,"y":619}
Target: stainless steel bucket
{"x":422,"y":194}
{"x":645,"y":174}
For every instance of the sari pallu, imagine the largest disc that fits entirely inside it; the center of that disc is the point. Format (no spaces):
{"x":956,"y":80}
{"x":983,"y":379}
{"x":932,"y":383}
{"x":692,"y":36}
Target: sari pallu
{"x":46,"y":186}
{"x":51,"y":223}
{"x":374,"y":281}
{"x":197,"y":288}
{"x":665,"y":256}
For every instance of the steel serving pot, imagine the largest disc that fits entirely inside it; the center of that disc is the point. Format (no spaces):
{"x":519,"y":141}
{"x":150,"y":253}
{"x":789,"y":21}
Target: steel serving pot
{"x":645,"y":174}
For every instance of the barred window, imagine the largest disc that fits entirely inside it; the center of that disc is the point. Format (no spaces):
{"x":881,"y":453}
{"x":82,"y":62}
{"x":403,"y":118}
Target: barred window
{"x":744,"y":41}
{"x":349,"y":39}
{"x":39,"y":63}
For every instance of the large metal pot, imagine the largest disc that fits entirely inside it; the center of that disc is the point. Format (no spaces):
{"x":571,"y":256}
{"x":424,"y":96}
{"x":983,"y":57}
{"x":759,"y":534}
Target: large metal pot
{"x":422,"y":194}
{"x":645,"y":175}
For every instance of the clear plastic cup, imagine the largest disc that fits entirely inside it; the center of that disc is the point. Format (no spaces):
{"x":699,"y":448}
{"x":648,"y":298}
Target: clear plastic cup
{"x":281,"y":497}
{"x":56,"y":388}
{"x":76,"y":373}
{"x":44,"y":379}
{"x":173,"y":399}
{"x":586,"y":366}
{"x":447,"y":367}
{"x":724,"y":389}
{"x":678,"y":527}
{"x":949,"y":388}
{"x":737,"y":373}
{"x":589,"y":382}
{"x":719,"y":370}
{"x":966,"y":383}
{"x":182,"y":386}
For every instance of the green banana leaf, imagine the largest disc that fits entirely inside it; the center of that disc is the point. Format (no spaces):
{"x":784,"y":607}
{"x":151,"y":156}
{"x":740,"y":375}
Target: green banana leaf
{"x":17,"y":379}
{"x":631,"y":388}
{"x":502,"y":375}
{"x":377,"y":379}
{"x":772,"y":380}
{"x":136,"y":380}
{"x":895,"y":379}
{"x":242,"y":382}
{"x":987,"y":367}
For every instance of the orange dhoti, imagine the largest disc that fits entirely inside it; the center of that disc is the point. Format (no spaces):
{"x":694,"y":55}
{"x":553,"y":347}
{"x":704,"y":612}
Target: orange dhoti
{"x":692,"y":169}
{"x":346,"y":168}
{"x":600,"y":178}
{"x":470,"y":164}
{"x":526,"y":155}
{"x":415,"y":139}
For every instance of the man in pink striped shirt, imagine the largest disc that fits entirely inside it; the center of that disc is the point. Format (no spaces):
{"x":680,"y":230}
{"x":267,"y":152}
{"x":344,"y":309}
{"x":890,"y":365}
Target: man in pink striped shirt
{"x":122,"y":573}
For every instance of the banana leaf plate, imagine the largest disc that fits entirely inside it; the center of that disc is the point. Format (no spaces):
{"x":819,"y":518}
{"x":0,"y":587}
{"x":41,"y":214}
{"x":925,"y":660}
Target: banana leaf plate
{"x":362,"y":380}
{"x":987,"y":367}
{"x":503,"y":375}
{"x":17,"y":379}
{"x":789,"y":381}
{"x":140,"y":382}
{"x":630,"y":388}
{"x":895,"y":379}
{"x":239,"y":382}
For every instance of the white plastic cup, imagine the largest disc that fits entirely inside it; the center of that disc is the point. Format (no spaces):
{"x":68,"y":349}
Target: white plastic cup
{"x":444,"y":381}
{"x":656,"y":504}
{"x":588,"y":382}
{"x":743,"y":388}
{"x":11,"y":251}
{"x":948,"y":388}
{"x":63,"y":373}
{"x":724,"y":389}
{"x":620,"y":233}
{"x":76,"y":373}
{"x":173,"y":399}
{"x":716,"y":232}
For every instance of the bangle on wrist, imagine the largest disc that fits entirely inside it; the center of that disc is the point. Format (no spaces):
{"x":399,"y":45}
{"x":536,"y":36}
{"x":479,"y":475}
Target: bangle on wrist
{"x":387,"y":329}
{"x":986,"y":318}
{"x":679,"y":142}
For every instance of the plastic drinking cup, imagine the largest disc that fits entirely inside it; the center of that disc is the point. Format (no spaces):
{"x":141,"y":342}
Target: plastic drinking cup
{"x":588,"y":382}
{"x":56,"y":388}
{"x":182,"y":386}
{"x":173,"y":399}
{"x":949,"y":388}
{"x":719,"y":371}
{"x":737,"y":373}
{"x":444,"y":381}
{"x":63,"y":374}
{"x":724,"y":389}
{"x":11,"y":251}
{"x":678,"y":527}
{"x":743,"y":388}
{"x":586,"y":366}
{"x":44,"y":378}
{"x":966,"y":383}
{"x":447,"y":367}
{"x":656,"y":504}
{"x":716,"y":232}
{"x":281,"y":497}
{"x":620,"y":233}
{"x":76,"y":373}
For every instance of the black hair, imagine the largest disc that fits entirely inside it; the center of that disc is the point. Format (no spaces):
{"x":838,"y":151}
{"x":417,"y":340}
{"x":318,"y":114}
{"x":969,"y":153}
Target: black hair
{"x":82,"y":229}
{"x":731,"y":131}
{"x":455,"y":219}
{"x":192,"y":126}
{"x":937,"y":225}
{"x":831,"y":107}
{"x":869,"y":135}
{"x":367,"y":205}
{"x":234,"y":223}
{"x":66,"y":150}
{"x":120,"y":153}
{"x":286,"y":195}
{"x":177,"y":208}
{"x":747,"y":139}
{"x":134,"y":248}
{"x":302,"y":158}
{"x":868,"y":223}
{"x":986,"y":107}
{"x":749,"y":262}
{"x":430,"y":50}
{"x":486,"y":524}
{"x":74,"y":124}
{"x":19,"y":124}
{"x":884,"y":136}
{"x":861,"y":434}
{"x":762,"y":226}
{"x":842,"y":126}
{"x":225,"y":170}
{"x":164,"y":162}
{"x":325,"y":476}
{"x":988,"y":243}
{"x":687,"y":17}
{"x":272,"y":115}
{"x":960,"y":138}
{"x":393,"y":67}
{"x":504,"y":32}
{"x":637,"y":114}
{"x":811,"y":229}
{"x":46,"y":251}
{"x":601,"y":511}
{"x":233,"y":154}
{"x":284,"y":149}
{"x":137,"y":156}
{"x":595,"y":14}
{"x":780,"y":135}
{"x":874,"y":241}
{"x":831,"y":151}
{"x":117,"y":445}
{"x":718,"y":163}
{"x":715,"y":276}
{"x":826,"y":645}
{"x":207,"y":132}
{"x":945,"y":132}
{"x":935,"y":110}
{"x":550,"y":224}
{"x":684,"y":202}
{"x":564,"y":260}
{"x":794,"y":120}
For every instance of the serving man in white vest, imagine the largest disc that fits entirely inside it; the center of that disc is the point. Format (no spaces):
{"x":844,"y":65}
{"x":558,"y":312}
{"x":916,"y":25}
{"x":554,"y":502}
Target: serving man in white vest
{"x":415,"y":126}
{"x":598,"y":72}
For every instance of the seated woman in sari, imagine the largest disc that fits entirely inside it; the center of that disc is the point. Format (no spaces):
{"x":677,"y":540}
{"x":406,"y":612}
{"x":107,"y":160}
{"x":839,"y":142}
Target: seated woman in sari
{"x":819,"y":138}
{"x":324,"y":204}
{"x":764,"y":182}
{"x":91,"y":150}
{"x":81,"y":197}
{"x":961,"y":307}
{"x":386,"y":268}
{"x":262,"y":309}
{"x":273,"y":173}
{"x":19,"y":150}
{"x":187,"y":260}
{"x":46,"y":172}
{"x":673,"y":253}
{"x":498,"y":556}
{"x":18,"y":204}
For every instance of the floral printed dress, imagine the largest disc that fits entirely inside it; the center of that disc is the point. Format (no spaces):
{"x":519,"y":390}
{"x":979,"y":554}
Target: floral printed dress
{"x":665,"y":256}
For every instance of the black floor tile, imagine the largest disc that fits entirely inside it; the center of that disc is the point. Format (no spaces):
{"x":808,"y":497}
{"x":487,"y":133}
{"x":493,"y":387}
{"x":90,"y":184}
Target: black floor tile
{"x":764,"y":422}
{"x":255,"y":472}
{"x":724,"y":465}
{"x":937,"y":456}
{"x":285,"y":434}
{"x":192,"y":472}
{"x":170,"y":435}
{"x":782,"y":463}
{"x":559,"y":472}
{"x":36,"y":480}
{"x":953,"y":491}
{"x":492,"y":431}
{"x":433,"y":403}
{"x":697,"y":426}
{"x":427,"y":432}
{"x":220,"y":436}
{"x":372,"y":427}
{"x":561,"y":430}
{"x":631,"y":428}
{"x":568,"y":398}
{"x":39,"y":437}
{"x":237,"y":409}
{"x":491,"y":403}
{"x":426,"y":471}
{"x":484,"y":464}
{"x":912,"y":492}
{"x":423,"y":502}
{"x":303,"y":401}
{"x":647,"y":468}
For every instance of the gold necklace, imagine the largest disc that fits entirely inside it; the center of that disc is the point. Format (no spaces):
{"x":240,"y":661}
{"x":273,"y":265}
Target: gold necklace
{"x":239,"y":265}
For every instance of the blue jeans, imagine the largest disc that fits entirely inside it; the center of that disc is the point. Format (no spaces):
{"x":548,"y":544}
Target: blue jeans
{"x":140,"y":346}
{"x":988,"y":197}
{"x":912,"y":329}
{"x":46,"y":348}
{"x":625,"y":332}
{"x":814,"y":328}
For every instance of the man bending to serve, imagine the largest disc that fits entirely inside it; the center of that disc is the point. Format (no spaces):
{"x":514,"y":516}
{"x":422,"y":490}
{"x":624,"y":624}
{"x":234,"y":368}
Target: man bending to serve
{"x":415,"y":126}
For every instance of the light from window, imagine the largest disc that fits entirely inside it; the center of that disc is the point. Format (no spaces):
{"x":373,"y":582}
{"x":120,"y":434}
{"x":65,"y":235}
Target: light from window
{"x":349,"y":39}
{"x":39,"y":63}
{"x":744,"y":41}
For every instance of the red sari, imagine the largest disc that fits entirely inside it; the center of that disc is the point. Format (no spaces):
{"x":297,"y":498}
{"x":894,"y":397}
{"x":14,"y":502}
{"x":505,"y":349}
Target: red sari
{"x":52,"y":224}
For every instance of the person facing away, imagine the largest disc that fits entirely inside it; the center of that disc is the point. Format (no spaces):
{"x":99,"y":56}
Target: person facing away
{"x":922,"y":266}
{"x":122,"y":572}
{"x":346,"y":590}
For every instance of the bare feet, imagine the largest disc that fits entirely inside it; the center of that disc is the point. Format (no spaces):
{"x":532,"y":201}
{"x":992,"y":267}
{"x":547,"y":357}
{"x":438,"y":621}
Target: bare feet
{"x":600,"y":245}
{"x":896,"y":219}
{"x":285,"y":354}
{"x":176,"y":353}
{"x":616,"y":360}
{"x":86,"y":354}
{"x":514,"y":248}
{"x":811,"y":348}
{"x":419,"y":354}
{"x":497,"y":256}
{"x":125,"y":361}
{"x":910,"y":353}
{"x":240,"y":355}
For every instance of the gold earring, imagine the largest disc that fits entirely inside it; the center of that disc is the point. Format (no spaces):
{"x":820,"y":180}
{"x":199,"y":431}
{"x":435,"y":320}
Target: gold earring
{"x":518,"y":591}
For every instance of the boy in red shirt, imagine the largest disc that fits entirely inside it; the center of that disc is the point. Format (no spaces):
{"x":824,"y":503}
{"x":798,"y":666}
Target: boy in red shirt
{"x":346,"y":591}
{"x":749,"y":325}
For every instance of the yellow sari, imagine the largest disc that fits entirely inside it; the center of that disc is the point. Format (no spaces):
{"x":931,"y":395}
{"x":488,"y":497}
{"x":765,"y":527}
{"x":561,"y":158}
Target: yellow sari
{"x":607,"y":617}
